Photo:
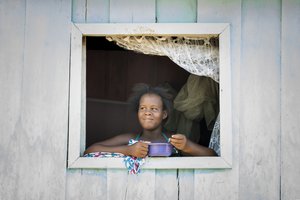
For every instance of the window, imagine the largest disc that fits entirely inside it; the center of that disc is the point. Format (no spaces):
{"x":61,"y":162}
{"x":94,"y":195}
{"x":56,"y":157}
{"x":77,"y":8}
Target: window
{"x":77,"y":108}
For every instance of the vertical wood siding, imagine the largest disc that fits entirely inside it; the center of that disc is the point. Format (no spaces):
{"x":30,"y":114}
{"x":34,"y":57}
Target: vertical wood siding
{"x":12,"y":33}
{"x":34,"y":78}
{"x":86,"y":184}
{"x":290,"y":98}
{"x":35,"y":51}
{"x":178,"y":11}
{"x":259,"y":176}
{"x":79,"y":8}
{"x":211,"y":184}
{"x":97,"y":11}
{"x":132,"y":11}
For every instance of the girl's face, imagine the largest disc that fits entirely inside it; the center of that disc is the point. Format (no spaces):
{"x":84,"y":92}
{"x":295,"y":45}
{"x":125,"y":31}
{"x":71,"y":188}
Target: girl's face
{"x":151,"y":112}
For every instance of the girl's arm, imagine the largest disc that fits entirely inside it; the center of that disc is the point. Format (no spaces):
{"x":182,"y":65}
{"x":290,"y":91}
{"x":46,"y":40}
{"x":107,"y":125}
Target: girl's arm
{"x":188,"y":147}
{"x":119,"y":144}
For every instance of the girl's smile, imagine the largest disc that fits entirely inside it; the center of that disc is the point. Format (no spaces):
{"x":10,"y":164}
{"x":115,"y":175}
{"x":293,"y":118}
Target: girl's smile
{"x":151,"y":112}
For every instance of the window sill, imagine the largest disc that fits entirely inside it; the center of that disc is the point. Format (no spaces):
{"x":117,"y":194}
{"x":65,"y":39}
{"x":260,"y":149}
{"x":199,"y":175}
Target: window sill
{"x":154,"y":163}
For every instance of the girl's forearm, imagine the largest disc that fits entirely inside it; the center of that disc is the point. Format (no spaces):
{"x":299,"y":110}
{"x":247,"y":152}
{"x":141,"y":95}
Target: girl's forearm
{"x":124,"y":149}
{"x":194,"y":149}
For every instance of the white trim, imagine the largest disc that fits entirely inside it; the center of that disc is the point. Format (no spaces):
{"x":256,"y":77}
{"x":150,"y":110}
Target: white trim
{"x":225,"y":96}
{"x":152,"y":29}
{"x":154,"y":163}
{"x":78,"y":97}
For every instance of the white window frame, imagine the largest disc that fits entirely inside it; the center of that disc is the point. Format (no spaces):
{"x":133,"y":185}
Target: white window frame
{"x":77,"y":101}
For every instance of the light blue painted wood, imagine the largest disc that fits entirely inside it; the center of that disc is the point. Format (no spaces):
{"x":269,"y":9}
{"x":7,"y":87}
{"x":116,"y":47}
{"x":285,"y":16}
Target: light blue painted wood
{"x":34,"y":89}
{"x":79,"y":11}
{"x":86,"y":184}
{"x":132,"y":11}
{"x":186,"y":184}
{"x":12,"y":31}
{"x":117,"y":183}
{"x":259,"y":176}
{"x":141,"y":186}
{"x":176,"y":11}
{"x":166,"y":184}
{"x":218,"y":11}
{"x":223,"y":11}
{"x":290,"y":98}
{"x":97,"y":11}
{"x":214,"y":184}
{"x":122,"y":185}
{"x":42,"y":125}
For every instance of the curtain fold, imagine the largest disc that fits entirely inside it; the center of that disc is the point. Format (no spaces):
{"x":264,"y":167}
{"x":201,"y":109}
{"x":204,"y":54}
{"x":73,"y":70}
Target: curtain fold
{"x":199,"y":56}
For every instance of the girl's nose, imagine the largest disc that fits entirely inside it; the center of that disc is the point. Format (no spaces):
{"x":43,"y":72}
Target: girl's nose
{"x":148,"y":112}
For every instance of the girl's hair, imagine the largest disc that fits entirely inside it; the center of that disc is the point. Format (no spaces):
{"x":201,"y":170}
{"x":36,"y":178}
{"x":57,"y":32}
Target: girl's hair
{"x":141,"y":88}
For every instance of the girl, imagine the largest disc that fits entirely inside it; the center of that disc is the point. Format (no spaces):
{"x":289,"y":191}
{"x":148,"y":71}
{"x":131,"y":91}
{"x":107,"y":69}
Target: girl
{"x":153,"y":105}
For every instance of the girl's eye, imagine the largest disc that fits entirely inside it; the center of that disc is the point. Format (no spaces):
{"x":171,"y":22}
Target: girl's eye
{"x":142,"y":108}
{"x":154,"y":109}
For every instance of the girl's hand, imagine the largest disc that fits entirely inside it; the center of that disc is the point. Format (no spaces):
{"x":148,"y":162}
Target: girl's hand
{"x":179,"y":141}
{"x":139,"y":149}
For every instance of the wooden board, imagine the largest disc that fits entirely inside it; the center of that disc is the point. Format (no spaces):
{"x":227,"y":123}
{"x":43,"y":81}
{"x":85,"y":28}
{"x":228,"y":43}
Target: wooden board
{"x":176,"y":11}
{"x":166,"y":184}
{"x":44,"y":102}
{"x":86,"y":184}
{"x":259,"y":169}
{"x":185,"y":184}
{"x":12,"y":21}
{"x":79,"y":11}
{"x":97,"y":11}
{"x":290,"y":98}
{"x":122,"y":185}
{"x":216,"y":11}
{"x":117,"y":180}
{"x":132,"y":11}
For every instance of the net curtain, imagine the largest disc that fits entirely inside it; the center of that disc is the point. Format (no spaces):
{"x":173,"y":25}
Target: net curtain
{"x":199,"y":56}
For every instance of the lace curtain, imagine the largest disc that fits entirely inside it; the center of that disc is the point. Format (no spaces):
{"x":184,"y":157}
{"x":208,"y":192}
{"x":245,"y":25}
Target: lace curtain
{"x":199,"y":56}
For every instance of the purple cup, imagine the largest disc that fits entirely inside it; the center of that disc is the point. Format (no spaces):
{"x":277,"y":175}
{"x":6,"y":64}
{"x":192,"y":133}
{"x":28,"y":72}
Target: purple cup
{"x":160,"y":149}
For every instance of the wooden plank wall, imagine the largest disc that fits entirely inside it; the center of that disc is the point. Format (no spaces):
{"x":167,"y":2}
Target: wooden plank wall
{"x":257,"y":126}
{"x":224,"y":183}
{"x":259,"y":175}
{"x":290,"y":98}
{"x":11,"y":70}
{"x":34,"y":78}
{"x":256,"y":150}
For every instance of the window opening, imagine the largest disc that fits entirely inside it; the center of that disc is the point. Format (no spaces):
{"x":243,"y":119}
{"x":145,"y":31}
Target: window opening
{"x":111,"y":71}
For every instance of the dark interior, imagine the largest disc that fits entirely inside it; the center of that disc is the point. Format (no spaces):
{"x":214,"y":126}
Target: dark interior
{"x":111,"y":73}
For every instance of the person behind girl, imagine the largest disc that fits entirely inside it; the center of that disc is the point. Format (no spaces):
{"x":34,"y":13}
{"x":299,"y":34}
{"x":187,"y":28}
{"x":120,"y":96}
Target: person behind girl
{"x":153,"y":106}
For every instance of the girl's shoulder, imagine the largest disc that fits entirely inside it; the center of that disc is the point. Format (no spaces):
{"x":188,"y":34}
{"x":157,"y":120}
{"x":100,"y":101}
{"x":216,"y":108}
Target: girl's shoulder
{"x":129,"y":136}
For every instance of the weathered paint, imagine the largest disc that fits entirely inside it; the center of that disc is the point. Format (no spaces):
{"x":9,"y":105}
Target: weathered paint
{"x":34,"y":79}
{"x":225,"y":182}
{"x":11,"y":73}
{"x":290,"y":98}
{"x":259,"y":147}
{"x":97,"y":11}
{"x":132,"y":11}
{"x":178,"y":11}
{"x":37,"y":44}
